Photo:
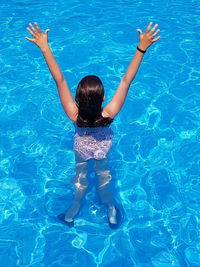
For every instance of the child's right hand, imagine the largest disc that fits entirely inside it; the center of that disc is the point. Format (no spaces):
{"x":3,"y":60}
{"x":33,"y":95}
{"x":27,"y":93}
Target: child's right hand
{"x":146,"y":39}
{"x":40,"y":39}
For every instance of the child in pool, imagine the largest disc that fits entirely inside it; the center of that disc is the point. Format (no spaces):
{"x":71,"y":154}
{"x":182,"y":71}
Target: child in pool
{"x":93,"y":137}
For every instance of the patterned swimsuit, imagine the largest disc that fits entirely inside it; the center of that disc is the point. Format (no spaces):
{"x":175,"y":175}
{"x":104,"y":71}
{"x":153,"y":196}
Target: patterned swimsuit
{"x":92,"y":142}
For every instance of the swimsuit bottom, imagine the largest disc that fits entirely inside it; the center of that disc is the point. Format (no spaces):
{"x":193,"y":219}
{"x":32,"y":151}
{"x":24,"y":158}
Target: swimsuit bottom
{"x":93,"y":142}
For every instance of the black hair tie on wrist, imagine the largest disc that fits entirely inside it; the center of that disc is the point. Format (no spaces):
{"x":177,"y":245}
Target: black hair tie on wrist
{"x":142,"y":51}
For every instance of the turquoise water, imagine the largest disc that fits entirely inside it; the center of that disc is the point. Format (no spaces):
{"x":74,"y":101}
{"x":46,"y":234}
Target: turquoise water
{"x":155,"y":158}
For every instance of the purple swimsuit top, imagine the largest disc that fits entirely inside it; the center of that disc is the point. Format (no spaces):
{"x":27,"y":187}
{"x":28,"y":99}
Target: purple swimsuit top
{"x":92,"y":142}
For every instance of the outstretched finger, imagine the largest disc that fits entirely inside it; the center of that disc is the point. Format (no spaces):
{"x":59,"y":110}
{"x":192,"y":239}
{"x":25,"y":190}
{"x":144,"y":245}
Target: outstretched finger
{"x":31,"y":40}
{"x":32,"y":33}
{"x":153,"y":29}
{"x":139,"y":31}
{"x":33,"y":29}
{"x":37,"y":27}
{"x":155,"y":33}
{"x":47,"y":31}
{"x":154,"y":40}
{"x":148,"y":27}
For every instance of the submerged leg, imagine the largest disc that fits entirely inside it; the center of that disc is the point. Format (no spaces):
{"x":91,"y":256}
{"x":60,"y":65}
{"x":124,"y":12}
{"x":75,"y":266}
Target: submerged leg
{"x":80,"y":181}
{"x":104,"y":180}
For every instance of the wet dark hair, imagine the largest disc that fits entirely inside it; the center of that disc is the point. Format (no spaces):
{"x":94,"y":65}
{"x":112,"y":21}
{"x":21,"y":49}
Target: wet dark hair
{"x":89,"y":98}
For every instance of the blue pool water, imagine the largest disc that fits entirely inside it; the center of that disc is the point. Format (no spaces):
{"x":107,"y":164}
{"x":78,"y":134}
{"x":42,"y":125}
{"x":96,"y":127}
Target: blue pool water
{"x":155,"y":160}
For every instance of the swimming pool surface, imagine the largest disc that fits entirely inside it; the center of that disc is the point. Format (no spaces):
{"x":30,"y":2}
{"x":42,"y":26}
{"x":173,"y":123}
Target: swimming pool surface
{"x":155,"y":160}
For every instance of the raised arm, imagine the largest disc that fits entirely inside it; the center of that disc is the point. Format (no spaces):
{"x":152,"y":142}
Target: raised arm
{"x":145,"y":40}
{"x":41,"y":40}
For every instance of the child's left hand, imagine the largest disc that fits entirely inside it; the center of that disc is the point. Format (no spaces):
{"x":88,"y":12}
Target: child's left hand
{"x":40,"y":39}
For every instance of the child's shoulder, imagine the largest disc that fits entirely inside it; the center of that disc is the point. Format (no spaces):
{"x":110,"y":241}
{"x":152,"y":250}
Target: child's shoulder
{"x":105,"y":114}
